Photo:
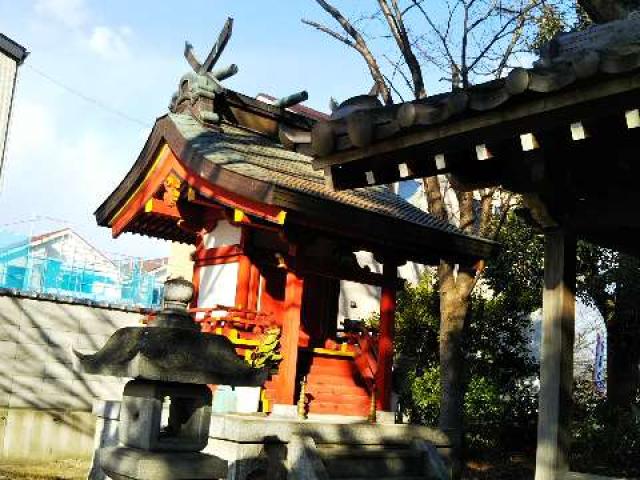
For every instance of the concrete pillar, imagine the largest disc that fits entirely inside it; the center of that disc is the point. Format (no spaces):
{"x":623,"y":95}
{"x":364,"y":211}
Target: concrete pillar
{"x":556,"y":358}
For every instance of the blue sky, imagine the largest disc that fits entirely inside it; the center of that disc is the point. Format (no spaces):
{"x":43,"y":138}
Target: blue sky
{"x":66,"y":154}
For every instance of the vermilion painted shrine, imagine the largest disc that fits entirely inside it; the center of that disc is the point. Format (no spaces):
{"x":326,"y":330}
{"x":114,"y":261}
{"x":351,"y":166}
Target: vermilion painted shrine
{"x":273,"y":240}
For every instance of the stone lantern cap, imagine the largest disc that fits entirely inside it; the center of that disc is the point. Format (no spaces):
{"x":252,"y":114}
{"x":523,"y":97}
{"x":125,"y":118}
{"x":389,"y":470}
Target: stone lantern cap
{"x":172,"y":349}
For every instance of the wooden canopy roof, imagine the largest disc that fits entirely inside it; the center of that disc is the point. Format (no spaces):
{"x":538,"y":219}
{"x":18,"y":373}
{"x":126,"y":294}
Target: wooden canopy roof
{"x":564,"y":133}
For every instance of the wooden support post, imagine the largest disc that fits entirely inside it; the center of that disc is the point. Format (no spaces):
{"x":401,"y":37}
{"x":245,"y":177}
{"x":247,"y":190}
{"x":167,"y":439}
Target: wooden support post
{"x":385,"y":342}
{"x":289,"y":339}
{"x":243,"y":283}
{"x":556,"y":358}
{"x":254,"y":288}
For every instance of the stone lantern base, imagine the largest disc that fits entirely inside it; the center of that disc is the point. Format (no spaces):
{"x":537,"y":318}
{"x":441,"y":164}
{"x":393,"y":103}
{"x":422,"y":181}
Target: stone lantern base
{"x":126,"y":463}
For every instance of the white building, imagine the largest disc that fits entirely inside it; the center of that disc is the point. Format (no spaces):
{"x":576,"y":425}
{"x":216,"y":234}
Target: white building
{"x":11,"y":56}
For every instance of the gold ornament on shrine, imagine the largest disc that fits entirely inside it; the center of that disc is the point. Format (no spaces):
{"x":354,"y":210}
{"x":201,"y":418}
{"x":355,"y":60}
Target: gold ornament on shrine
{"x":172,"y":187}
{"x":302,"y":400}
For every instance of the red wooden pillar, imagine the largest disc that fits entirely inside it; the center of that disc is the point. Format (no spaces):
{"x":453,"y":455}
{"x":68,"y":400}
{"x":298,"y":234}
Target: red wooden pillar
{"x":385,"y":341}
{"x":196,"y":271}
{"x":243,"y":283}
{"x":254,"y":288}
{"x":244,"y":280}
{"x":289,"y":340}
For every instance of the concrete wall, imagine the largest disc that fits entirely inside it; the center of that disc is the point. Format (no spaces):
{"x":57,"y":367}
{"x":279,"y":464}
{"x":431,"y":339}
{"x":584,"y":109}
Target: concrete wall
{"x":45,"y":403}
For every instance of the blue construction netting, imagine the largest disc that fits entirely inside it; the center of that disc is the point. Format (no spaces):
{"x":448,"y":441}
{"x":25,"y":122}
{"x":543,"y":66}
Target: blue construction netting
{"x":66,"y":266}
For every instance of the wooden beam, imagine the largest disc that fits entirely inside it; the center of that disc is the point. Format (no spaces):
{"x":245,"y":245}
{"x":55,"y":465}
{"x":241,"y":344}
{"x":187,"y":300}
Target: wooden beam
{"x":556,"y":109}
{"x":556,"y":358}
{"x":217,"y":256}
{"x":325,"y":267}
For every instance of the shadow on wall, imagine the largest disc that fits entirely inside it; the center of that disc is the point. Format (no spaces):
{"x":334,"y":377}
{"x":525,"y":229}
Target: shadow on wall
{"x":45,"y":404}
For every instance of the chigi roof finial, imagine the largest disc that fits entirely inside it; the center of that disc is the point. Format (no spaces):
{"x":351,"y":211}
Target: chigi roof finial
{"x":206,"y":68}
{"x":197,"y":89}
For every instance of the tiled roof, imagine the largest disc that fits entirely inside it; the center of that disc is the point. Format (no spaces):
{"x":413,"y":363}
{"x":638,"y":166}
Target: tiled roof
{"x":256,"y":157}
{"x":571,"y":59}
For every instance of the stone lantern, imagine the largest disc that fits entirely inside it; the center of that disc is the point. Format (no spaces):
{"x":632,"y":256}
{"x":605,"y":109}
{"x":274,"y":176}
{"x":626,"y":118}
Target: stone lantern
{"x":166,"y":407}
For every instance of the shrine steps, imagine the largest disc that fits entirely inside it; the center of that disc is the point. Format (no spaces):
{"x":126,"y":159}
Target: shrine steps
{"x":334,"y":387}
{"x":361,"y":463}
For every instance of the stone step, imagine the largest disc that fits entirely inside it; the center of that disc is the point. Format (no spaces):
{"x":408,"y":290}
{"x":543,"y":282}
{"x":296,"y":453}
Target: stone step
{"x":371,"y":463}
{"x":402,"y":477}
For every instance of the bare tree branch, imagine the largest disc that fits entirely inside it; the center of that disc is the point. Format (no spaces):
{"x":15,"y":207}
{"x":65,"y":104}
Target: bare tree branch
{"x":397,"y":27}
{"x":361,"y":46}
{"x":329,"y":32}
{"x":504,"y":31}
{"x":439,"y":34}
{"x":397,"y":69}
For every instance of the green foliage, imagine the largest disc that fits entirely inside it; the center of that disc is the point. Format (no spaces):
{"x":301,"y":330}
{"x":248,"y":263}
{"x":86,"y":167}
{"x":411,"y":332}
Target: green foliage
{"x":516,"y":273}
{"x":501,"y":401}
{"x":548,"y":23}
{"x":553,"y":19}
{"x":498,"y":364}
{"x":424,"y":392}
{"x":603,"y":442}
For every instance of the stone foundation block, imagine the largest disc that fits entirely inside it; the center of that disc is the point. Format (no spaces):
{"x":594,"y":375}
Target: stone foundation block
{"x":124,"y":463}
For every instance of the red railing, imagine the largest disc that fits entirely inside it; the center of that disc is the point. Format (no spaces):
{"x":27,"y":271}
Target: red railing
{"x":365,"y":345}
{"x":227,"y":318}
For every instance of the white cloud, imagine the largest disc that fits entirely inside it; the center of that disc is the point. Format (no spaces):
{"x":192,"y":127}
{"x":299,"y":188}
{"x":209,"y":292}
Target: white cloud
{"x":110,"y":43}
{"x":32,"y":125}
{"x":71,"y":13}
{"x":64,"y":173}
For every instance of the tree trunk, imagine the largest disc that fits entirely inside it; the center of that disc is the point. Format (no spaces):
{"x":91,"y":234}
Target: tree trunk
{"x":455,"y":300}
{"x":623,"y":331}
{"x":602,"y":11}
{"x":622,"y":361}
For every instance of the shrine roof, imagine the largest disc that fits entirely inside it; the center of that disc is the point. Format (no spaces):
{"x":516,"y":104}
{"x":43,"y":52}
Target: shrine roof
{"x":219,"y":151}
{"x":256,"y":167}
{"x":258,"y":158}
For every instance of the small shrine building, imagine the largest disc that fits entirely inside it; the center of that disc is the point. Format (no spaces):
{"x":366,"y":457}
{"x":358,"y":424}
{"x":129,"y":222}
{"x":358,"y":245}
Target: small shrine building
{"x":273,"y":240}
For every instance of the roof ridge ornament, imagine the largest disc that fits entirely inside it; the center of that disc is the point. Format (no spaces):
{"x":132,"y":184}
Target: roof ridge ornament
{"x":206,"y":68}
{"x":197,"y":90}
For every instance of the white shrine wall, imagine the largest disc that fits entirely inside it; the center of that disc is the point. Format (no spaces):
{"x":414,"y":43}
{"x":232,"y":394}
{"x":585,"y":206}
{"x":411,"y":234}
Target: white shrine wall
{"x":358,"y":301}
{"x":218,"y":282}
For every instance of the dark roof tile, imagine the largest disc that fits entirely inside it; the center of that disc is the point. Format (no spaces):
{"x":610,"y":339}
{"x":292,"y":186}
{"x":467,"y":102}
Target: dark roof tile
{"x":257,"y":157}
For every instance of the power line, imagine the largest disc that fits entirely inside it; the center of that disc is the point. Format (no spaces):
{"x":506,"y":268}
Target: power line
{"x":86,"y":98}
{"x":37,"y":218}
